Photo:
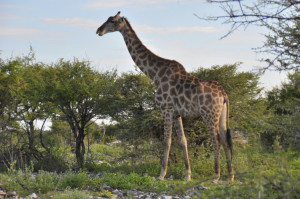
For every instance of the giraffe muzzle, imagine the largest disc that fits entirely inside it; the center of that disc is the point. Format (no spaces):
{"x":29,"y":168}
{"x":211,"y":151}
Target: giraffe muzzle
{"x":99,"y":32}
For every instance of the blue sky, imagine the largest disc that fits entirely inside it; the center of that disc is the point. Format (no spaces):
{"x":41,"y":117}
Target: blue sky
{"x":67,"y":28}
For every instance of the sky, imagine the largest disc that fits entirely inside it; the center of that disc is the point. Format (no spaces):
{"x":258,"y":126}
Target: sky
{"x":67,"y":28}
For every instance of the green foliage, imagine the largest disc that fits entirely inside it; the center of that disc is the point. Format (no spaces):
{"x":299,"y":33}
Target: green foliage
{"x":247,"y":107}
{"x":22,"y":76}
{"x":284,"y":123}
{"x":69,"y":193}
{"x":258,"y":174}
{"x":135,"y":108}
{"x":57,"y":161}
{"x":283,"y":43}
{"x":74,"y":180}
{"x":79,"y":93}
{"x":46,"y":181}
{"x":71,"y":93}
{"x":131,"y":181}
{"x":246,"y":104}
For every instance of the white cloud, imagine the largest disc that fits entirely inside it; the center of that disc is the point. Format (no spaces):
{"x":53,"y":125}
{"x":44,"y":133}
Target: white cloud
{"x":87,"y":24}
{"x":90,"y":24}
{"x":107,"y":4}
{"x":4,"y":16}
{"x":18,"y":31}
{"x":104,"y":4}
{"x":8,"y":6}
{"x":169,"y":30}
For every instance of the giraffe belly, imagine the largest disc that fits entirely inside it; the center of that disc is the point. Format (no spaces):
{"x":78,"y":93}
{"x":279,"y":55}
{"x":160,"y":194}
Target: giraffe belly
{"x":187,"y":112}
{"x":197,"y":105}
{"x":187,"y":108}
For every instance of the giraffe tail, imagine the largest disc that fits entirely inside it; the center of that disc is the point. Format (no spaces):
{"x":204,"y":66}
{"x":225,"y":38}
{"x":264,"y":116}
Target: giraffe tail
{"x":229,"y":142}
{"x":228,"y":133}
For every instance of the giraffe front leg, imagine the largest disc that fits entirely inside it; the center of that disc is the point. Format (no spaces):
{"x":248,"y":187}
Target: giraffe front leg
{"x":183,"y":143}
{"x":168,"y":116}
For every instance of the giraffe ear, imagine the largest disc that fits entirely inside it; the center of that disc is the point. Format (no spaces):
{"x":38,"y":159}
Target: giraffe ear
{"x":117,"y":16}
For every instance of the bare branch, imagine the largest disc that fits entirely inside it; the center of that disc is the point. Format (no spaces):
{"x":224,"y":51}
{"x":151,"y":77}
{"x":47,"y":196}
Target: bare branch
{"x":281,"y":17}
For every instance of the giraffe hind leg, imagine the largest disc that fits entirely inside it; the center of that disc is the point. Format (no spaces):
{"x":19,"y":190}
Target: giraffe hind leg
{"x":183,"y":143}
{"x":216,"y":145}
{"x":226,"y":142}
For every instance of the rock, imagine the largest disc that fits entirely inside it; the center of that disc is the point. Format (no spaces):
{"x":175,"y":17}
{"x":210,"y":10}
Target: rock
{"x":166,"y":197}
{"x":33,"y":176}
{"x":100,"y":174}
{"x":152,"y":195}
{"x":33,"y":196}
{"x":194,"y":192}
{"x":132,"y":192}
{"x":116,"y":191}
{"x":114,"y":142}
{"x":12,"y":194}
{"x":2,"y":192}
{"x":201,"y":187}
{"x":108,"y":188}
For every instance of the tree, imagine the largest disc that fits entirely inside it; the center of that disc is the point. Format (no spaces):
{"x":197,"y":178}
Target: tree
{"x":135,"y":109}
{"x":31,"y":108}
{"x":9,"y":128}
{"x":284,"y":123}
{"x":21,"y":103}
{"x":246,"y":103}
{"x":140,"y":119}
{"x":281,"y":17}
{"x":80,"y":93}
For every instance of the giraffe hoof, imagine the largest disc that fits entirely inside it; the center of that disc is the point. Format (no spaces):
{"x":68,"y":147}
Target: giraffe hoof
{"x":188,"y":178}
{"x":160,"y":178}
{"x":215,"y":180}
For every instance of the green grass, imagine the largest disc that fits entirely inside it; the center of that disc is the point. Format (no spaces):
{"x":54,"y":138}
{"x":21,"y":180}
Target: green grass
{"x":258,"y":174}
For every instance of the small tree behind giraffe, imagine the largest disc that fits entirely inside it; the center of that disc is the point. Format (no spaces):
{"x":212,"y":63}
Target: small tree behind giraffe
{"x":179,"y":94}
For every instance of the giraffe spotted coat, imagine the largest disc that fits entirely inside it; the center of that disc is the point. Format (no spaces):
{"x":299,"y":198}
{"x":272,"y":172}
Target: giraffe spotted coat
{"x":179,"y":94}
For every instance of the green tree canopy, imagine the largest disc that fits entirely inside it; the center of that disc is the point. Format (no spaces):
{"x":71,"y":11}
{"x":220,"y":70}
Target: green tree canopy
{"x":284,"y":123}
{"x":246,"y":102}
{"x":79,"y":93}
{"x":136,"y":111}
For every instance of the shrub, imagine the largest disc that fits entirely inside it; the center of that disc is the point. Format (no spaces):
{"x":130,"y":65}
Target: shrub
{"x":46,"y":181}
{"x":74,"y":180}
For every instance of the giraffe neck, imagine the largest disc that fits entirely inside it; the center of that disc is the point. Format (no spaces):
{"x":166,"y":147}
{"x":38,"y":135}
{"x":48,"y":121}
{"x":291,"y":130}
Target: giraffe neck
{"x":148,"y":62}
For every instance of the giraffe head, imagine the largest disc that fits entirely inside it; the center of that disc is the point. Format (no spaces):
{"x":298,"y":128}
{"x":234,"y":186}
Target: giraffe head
{"x":115,"y":23}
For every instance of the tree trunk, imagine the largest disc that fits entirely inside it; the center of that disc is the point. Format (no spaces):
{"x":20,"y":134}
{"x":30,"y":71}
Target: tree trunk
{"x":79,"y":148}
{"x":102,"y":136}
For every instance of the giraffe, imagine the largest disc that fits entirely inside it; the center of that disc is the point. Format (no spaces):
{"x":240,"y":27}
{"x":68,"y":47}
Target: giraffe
{"x":179,"y":94}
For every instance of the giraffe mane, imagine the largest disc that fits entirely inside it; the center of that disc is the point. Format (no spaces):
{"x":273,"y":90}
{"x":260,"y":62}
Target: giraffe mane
{"x":135,"y":35}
